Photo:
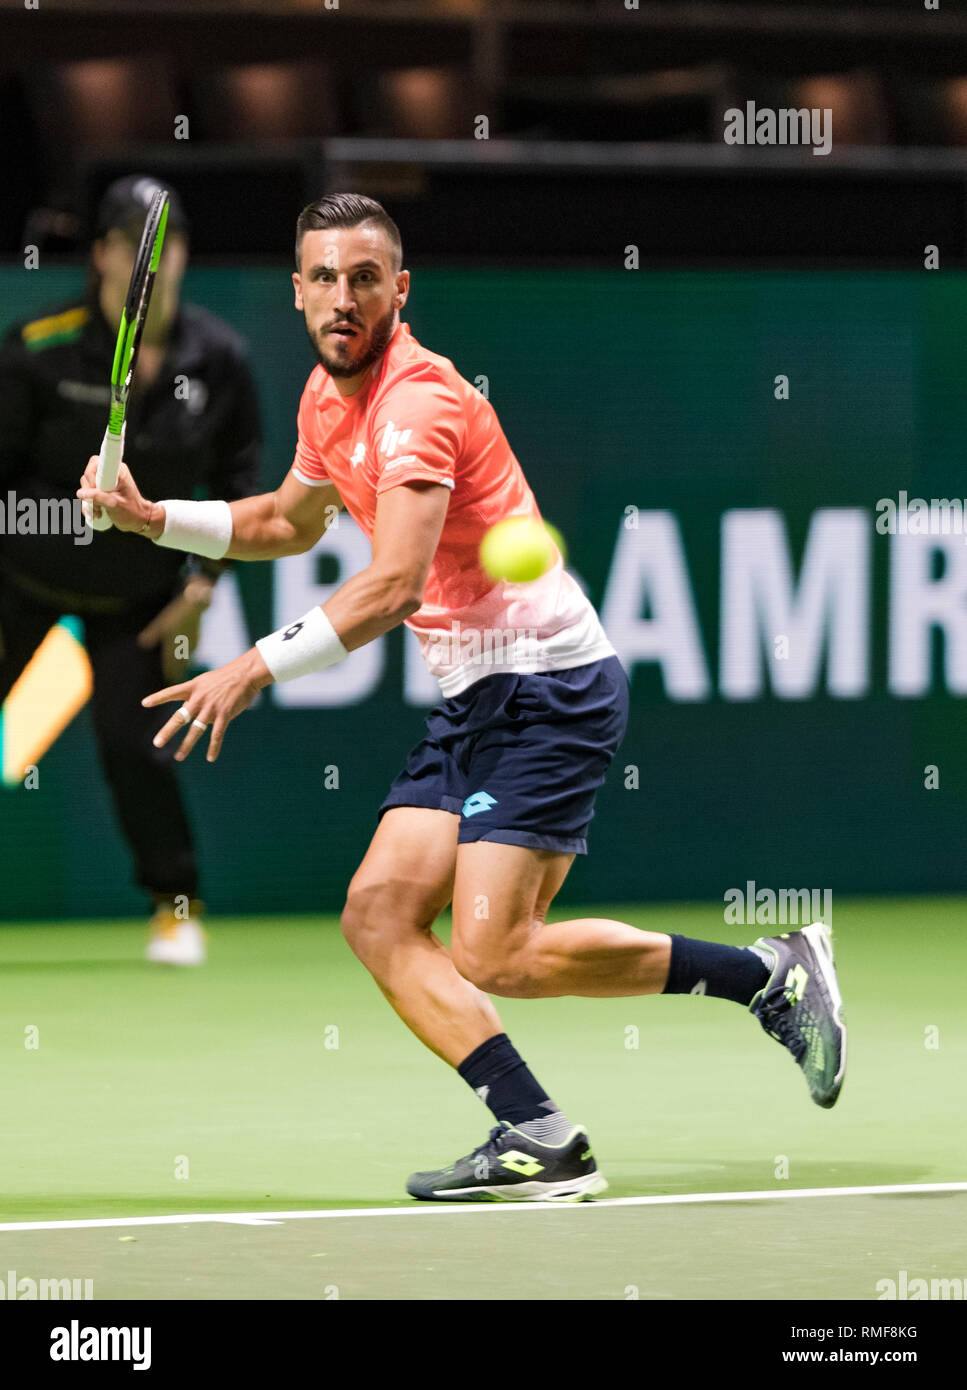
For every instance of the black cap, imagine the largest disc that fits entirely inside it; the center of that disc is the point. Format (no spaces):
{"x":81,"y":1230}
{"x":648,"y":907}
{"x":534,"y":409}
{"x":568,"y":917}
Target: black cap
{"x":125,"y":205}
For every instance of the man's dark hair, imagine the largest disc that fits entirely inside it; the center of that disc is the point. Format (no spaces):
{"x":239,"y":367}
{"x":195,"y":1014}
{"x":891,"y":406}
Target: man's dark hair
{"x":346,"y":210}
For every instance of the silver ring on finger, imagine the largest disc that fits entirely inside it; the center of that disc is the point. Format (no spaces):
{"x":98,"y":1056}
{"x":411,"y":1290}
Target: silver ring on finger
{"x":184,"y":714}
{"x":197,"y":724}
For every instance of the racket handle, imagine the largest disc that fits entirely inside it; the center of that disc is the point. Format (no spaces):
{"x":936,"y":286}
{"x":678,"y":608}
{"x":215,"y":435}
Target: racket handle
{"x":108,"y":468}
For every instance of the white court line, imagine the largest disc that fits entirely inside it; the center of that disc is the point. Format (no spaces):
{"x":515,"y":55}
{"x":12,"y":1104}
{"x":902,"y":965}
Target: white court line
{"x":249,"y":1221}
{"x":272,"y":1218}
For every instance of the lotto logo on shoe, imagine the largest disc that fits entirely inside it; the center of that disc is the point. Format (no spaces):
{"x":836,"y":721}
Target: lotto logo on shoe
{"x":480,"y":801}
{"x":524,"y":1164}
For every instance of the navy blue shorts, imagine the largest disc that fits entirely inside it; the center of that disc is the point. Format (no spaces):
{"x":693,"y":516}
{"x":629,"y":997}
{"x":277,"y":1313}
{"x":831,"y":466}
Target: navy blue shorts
{"x":520,"y":758}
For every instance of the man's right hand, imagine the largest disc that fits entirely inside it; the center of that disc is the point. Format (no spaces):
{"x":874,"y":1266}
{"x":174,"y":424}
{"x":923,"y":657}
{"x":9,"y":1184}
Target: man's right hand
{"x":126,"y":508}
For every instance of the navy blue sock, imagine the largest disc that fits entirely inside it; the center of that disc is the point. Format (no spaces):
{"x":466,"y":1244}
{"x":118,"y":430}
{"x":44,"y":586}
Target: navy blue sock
{"x":499,"y":1075}
{"x":724,"y":972}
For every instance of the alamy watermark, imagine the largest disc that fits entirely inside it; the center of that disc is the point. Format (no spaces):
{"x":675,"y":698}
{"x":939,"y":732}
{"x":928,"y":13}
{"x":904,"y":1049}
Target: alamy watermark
{"x":23,"y":1289}
{"x":786,"y":126}
{"x":771,"y":907}
{"x":921,"y":516}
{"x":44,"y":516}
{"x":907,"y":1287}
{"x":77,"y":1343}
{"x":486,"y":646}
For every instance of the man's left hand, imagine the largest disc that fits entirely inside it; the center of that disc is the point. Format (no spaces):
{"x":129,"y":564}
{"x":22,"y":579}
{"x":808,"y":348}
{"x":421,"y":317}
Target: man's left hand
{"x":212,"y":699}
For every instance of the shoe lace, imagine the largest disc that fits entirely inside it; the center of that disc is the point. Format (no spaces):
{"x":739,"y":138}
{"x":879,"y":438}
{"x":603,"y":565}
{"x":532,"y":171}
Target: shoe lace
{"x":491,"y":1138}
{"x":775,"y":1014}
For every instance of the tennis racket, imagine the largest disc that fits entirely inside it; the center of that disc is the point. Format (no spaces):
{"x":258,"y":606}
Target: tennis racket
{"x":126,"y":350}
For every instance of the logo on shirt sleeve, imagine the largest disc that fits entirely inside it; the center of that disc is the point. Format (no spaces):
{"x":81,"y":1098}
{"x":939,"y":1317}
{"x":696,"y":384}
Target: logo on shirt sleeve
{"x":393,"y":439}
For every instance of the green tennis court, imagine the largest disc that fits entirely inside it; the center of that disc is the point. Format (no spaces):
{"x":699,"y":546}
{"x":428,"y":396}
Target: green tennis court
{"x":274,"y":1101}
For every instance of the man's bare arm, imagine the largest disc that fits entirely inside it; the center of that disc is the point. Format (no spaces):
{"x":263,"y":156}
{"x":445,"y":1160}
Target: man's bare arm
{"x":288,"y":521}
{"x":409,"y":520}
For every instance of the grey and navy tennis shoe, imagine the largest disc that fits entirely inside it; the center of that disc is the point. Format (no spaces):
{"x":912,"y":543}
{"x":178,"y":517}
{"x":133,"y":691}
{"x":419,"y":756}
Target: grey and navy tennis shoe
{"x":801,"y":1007}
{"x":512,"y":1167}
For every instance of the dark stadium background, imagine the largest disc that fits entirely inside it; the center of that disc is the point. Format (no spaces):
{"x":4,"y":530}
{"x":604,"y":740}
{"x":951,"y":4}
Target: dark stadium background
{"x":617,"y":387}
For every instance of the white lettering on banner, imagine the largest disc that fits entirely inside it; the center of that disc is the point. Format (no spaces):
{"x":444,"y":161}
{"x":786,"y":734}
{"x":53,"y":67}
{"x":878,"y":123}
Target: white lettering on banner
{"x":829,"y":608}
{"x":649,"y":567}
{"x":919,"y":602}
{"x":296,"y":591}
{"x":786,"y":630}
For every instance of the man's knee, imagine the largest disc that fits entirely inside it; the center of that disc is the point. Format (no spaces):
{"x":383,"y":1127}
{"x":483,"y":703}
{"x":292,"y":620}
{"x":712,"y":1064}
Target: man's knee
{"x":509,"y":973}
{"x":356,"y":922}
{"x":376,"y":917}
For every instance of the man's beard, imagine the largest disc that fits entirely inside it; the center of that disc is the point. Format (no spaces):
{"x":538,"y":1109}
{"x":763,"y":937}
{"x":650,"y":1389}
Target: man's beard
{"x":381,"y":334}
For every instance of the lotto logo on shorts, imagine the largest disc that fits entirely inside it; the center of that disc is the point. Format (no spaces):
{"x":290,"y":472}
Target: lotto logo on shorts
{"x":480,"y":801}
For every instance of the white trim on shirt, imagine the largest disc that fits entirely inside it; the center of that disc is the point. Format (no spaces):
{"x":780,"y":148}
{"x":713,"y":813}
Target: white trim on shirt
{"x":310,"y":482}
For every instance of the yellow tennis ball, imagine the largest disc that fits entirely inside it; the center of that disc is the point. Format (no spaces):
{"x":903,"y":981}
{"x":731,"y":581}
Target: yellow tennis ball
{"x":517,"y":549}
{"x":558,"y":540}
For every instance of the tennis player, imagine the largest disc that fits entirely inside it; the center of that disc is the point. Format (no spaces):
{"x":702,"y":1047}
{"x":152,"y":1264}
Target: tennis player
{"x":495,"y":802}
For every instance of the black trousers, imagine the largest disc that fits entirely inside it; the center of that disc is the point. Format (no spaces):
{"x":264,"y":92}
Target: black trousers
{"x":146,"y":796}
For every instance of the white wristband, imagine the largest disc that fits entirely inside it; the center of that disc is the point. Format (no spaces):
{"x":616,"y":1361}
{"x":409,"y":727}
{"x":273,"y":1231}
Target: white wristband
{"x":201,"y":528}
{"x":310,"y":644}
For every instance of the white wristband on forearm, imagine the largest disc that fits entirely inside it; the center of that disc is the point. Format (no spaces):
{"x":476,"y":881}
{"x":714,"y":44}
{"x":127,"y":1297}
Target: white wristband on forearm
{"x":310,"y":644}
{"x":201,"y":528}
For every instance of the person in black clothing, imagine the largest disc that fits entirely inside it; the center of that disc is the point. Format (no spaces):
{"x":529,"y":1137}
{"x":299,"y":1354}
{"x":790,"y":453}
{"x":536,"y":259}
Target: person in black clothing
{"x":192,"y":422}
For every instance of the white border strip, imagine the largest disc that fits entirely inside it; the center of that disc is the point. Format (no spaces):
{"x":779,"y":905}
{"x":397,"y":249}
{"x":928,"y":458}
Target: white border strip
{"x":270,"y":1218}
